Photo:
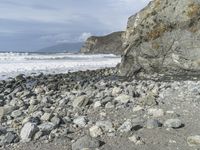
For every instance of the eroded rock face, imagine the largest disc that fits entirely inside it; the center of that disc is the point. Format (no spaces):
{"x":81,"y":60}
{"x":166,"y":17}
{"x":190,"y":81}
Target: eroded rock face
{"x":163,"y":37}
{"x":109,"y":44}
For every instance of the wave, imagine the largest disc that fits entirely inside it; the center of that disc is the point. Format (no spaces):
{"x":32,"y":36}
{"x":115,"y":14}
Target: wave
{"x":56,"y":56}
{"x":12,"y":64}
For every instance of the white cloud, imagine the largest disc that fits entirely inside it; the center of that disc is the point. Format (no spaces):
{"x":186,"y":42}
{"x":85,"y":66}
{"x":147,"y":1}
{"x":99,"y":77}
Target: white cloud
{"x":84,"y":36}
{"x":65,"y":37}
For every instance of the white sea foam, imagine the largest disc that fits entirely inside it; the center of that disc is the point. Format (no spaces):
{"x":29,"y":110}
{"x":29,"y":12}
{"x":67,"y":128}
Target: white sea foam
{"x":12,"y":64}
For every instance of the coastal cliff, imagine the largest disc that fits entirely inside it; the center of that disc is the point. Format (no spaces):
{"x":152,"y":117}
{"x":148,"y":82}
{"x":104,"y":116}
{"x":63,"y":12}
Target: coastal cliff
{"x":109,"y":44}
{"x":97,"y":109}
{"x":163,"y":38}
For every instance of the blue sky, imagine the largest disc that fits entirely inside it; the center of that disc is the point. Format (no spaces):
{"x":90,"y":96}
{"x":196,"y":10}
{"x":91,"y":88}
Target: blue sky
{"x":34,"y":24}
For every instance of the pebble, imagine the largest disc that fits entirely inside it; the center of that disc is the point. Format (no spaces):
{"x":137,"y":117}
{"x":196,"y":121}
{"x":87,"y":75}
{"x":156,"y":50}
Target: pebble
{"x":56,"y":120}
{"x":95,"y":131}
{"x":123,"y":98}
{"x":116,"y":91}
{"x":97,"y":104}
{"x":46,"y":127}
{"x":46,"y":116}
{"x":6,"y":110}
{"x":105,"y":125}
{"x":138,"y":108}
{"x":1,"y":112}
{"x":193,"y":140}
{"x":170,"y":112}
{"x":80,"y":101}
{"x":16,"y":113}
{"x":173,"y":123}
{"x":126,"y":126}
{"x":148,"y":100}
{"x":152,"y":123}
{"x":39,"y":90}
{"x":38,"y":135}
{"x":109,"y":105}
{"x":9,"y":138}
{"x":33,"y":102}
{"x":133,"y":138}
{"x":63,"y":102}
{"x":81,"y":121}
{"x":67,"y":119}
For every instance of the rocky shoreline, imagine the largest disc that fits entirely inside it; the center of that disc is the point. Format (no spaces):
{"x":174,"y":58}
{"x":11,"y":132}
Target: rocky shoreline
{"x":99,"y":110}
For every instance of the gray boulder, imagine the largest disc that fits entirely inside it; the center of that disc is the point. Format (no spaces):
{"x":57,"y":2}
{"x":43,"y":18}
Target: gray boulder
{"x":9,"y":138}
{"x":46,"y":127}
{"x":80,"y":101}
{"x":28,"y":131}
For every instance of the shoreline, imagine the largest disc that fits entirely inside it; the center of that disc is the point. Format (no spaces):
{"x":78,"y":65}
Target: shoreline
{"x":67,"y":111}
{"x":52,"y":64}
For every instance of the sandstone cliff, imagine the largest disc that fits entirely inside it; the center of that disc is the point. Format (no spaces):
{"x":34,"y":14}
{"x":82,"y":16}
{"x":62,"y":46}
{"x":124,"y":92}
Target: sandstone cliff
{"x":164,"y":37}
{"x":109,"y":44}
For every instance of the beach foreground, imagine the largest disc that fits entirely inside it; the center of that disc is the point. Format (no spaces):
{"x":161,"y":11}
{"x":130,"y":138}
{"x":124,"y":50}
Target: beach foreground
{"x":98,"y":110}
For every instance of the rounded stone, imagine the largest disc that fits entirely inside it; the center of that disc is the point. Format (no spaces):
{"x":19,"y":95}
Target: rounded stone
{"x":95,"y":131}
{"x":173,"y":123}
{"x":152,"y":123}
{"x":193,"y":140}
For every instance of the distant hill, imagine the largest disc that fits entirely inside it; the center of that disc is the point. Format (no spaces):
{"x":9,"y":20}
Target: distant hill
{"x":109,"y":44}
{"x":64,"y":47}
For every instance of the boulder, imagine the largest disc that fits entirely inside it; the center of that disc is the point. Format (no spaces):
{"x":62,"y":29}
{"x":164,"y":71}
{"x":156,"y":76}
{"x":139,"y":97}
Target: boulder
{"x":80,"y":101}
{"x":28,"y":131}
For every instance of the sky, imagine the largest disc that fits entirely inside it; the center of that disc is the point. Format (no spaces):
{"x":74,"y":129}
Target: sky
{"x":33,"y":24}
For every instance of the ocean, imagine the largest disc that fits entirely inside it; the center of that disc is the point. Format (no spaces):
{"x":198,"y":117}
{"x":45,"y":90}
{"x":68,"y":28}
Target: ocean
{"x":12,"y":64}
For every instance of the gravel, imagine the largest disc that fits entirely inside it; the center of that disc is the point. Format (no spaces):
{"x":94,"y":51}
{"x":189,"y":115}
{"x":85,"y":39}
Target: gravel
{"x":57,"y":111}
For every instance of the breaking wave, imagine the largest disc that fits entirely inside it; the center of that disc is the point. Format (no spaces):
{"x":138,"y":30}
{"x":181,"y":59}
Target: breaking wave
{"x":12,"y":64}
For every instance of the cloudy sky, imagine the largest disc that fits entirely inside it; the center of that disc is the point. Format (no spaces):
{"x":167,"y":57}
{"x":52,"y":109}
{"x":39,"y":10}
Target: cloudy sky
{"x":34,"y":24}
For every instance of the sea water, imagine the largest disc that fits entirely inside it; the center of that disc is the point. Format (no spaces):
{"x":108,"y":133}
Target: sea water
{"x":12,"y":64}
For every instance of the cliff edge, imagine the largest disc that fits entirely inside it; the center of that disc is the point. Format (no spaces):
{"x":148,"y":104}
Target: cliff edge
{"x":109,"y":44}
{"x":164,"y":38}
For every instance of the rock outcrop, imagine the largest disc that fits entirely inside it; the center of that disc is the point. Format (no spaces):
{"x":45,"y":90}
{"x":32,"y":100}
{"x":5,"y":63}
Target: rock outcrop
{"x":164,"y":37}
{"x":109,"y":44}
